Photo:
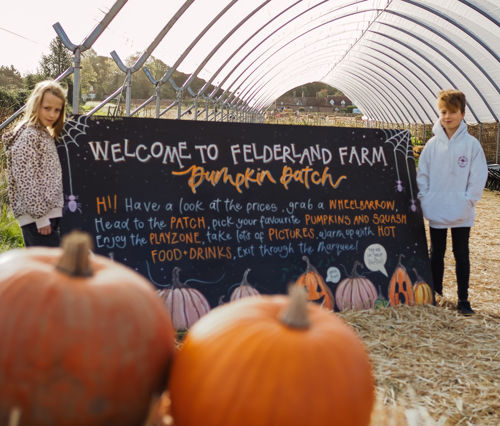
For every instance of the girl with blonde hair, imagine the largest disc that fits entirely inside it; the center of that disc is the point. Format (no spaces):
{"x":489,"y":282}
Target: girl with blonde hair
{"x":33,"y":168}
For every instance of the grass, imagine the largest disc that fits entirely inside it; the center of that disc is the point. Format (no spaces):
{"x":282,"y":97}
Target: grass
{"x":10,"y":232}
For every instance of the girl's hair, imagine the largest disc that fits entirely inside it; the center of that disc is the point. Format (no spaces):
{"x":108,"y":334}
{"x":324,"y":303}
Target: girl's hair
{"x":452,"y":99}
{"x":35,"y":100}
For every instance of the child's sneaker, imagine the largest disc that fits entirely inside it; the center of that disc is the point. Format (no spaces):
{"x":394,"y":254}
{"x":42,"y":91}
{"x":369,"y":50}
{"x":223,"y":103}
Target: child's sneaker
{"x":464,"y":308}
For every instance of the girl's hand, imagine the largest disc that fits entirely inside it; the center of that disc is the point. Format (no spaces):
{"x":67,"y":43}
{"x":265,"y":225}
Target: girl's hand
{"x":46,"y":230}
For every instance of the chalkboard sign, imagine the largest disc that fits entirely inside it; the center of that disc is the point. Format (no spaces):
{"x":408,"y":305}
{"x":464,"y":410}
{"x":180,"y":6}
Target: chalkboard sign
{"x":213,"y":200}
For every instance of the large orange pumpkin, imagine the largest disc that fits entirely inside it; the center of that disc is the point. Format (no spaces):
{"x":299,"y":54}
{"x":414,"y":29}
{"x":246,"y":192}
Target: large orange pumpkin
{"x":316,"y":287}
{"x":422,"y":291}
{"x":400,"y":286}
{"x":185,"y":304}
{"x":83,"y":340}
{"x":271,"y":361}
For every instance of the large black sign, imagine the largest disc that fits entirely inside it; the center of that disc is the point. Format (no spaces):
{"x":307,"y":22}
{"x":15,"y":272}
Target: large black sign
{"x":216,"y":199}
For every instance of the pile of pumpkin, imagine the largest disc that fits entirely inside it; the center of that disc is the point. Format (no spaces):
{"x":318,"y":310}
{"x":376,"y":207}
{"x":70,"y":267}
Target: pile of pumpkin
{"x":86,"y":341}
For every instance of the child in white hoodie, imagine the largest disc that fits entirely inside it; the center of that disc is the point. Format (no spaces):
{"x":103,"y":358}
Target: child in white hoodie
{"x":451,"y":176}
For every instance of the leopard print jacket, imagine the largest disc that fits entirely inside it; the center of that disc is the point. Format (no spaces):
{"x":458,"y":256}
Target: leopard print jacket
{"x":34,"y":175}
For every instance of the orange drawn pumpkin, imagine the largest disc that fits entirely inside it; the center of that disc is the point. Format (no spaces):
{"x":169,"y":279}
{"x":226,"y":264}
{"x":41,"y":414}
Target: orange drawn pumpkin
{"x":84,"y":340}
{"x":316,"y":287}
{"x":400,"y":286}
{"x":244,"y":289}
{"x":272,"y":360}
{"x":355,"y":292}
{"x":186,"y":305}
{"x":422,"y":291}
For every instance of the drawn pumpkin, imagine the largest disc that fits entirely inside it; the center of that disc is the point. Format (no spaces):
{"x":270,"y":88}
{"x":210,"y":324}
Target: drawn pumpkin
{"x":296,"y":347}
{"x":381,"y":301}
{"x":422,"y":291}
{"x":185,"y":305}
{"x":244,"y":289}
{"x":316,"y":287}
{"x":400,"y":286}
{"x":355,"y":292}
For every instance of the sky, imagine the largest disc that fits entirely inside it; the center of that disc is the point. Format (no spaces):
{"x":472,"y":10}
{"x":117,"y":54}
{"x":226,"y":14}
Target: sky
{"x":25,"y":36}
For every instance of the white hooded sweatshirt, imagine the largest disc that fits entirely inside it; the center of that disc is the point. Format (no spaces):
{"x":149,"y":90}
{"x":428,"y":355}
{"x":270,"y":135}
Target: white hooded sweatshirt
{"x":451,"y":177}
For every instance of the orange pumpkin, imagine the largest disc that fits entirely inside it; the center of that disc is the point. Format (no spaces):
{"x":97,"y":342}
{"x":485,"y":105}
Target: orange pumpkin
{"x":316,"y":287}
{"x":422,"y":291}
{"x":400,"y":286}
{"x":244,"y":289}
{"x":185,"y":305}
{"x":84,"y":340}
{"x":271,"y":360}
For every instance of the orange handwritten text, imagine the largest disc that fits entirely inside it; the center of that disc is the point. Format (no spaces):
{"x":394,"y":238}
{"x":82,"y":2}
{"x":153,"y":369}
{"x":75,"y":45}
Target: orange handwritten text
{"x":198,"y":175}
{"x":308,"y":175}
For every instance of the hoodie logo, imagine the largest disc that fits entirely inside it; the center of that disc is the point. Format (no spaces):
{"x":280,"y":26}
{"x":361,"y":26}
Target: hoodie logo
{"x":462,"y":161}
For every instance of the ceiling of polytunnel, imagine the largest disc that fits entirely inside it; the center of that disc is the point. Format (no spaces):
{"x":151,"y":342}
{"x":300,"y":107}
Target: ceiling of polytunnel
{"x":390,"y":57}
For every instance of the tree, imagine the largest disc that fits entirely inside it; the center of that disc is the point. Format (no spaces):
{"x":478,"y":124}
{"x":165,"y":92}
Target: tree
{"x":57,"y":61}
{"x":10,"y":78}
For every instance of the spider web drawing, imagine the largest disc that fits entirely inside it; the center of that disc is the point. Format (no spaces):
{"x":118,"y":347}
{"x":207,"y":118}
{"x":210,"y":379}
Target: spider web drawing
{"x":400,"y":141}
{"x":73,"y":128}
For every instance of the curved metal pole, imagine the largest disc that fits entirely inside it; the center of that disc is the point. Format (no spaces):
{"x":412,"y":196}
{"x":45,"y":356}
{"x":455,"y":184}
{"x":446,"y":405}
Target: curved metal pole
{"x":269,"y":48}
{"x":411,"y":94}
{"x":216,"y":73}
{"x":221,"y":42}
{"x":408,"y":33}
{"x":427,"y":60}
{"x":145,"y":55}
{"x":457,"y":47}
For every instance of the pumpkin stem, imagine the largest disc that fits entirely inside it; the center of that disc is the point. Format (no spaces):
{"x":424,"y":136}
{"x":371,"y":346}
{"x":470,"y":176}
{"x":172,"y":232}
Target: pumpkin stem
{"x":176,"y":281}
{"x":309,"y":267}
{"x":244,"y":281}
{"x":295,"y":313}
{"x":354,"y":273}
{"x":401,"y":255}
{"x":419,"y":278}
{"x":74,"y":260}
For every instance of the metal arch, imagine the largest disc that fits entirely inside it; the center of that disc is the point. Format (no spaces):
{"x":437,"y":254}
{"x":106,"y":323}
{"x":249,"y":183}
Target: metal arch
{"x":480,"y":11}
{"x":254,"y":87}
{"x":411,"y":35}
{"x":270,"y":35}
{"x":403,"y":85}
{"x":379,"y":77}
{"x":379,"y":108}
{"x":432,"y":93}
{"x":380,"y":85}
{"x":221,"y":42}
{"x":291,"y":41}
{"x":257,"y":92}
{"x":252,"y":84}
{"x":383,"y":89}
{"x":426,"y":59}
{"x":457,"y":68}
{"x":204,"y":87}
{"x":456,"y":24}
{"x":367,"y":97}
{"x":140,"y":61}
{"x":181,"y":58}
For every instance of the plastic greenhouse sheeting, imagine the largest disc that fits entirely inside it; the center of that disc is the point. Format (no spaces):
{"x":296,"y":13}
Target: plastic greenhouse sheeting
{"x":390,"y":57}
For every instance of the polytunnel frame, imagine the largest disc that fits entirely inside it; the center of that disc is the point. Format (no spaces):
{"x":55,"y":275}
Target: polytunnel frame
{"x":421,"y":40}
{"x":262,"y":93}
